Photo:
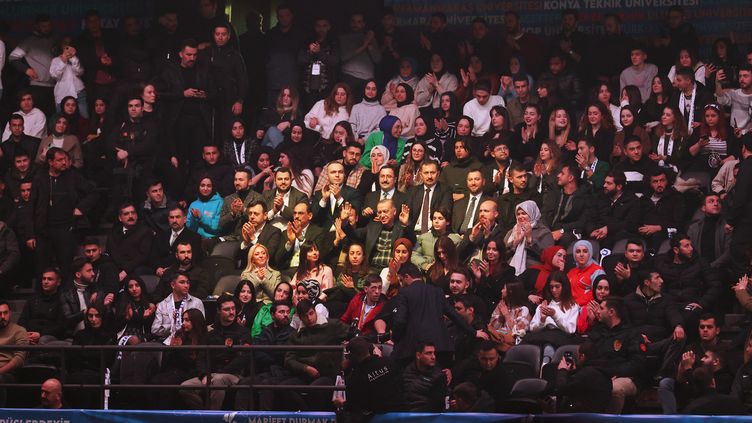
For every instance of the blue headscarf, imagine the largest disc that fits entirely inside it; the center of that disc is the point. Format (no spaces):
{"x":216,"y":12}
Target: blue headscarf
{"x":589,"y":246}
{"x":386,"y":125}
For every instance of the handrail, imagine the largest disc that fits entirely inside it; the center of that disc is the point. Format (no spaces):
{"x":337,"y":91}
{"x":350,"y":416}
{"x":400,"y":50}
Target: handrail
{"x":103,"y":386}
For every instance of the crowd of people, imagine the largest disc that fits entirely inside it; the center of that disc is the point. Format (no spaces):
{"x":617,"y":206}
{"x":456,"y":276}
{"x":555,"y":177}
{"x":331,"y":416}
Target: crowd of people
{"x":437,"y":204}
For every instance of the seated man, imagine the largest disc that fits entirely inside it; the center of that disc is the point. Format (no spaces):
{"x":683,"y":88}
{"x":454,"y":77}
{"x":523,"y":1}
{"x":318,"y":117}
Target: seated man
{"x":424,"y":383}
{"x":10,"y":334}
{"x":84,"y":294}
{"x":226,"y":366}
{"x":351,"y":155}
{"x":129,"y":243}
{"x":296,"y":233}
{"x":169,"y":316}
{"x":487,"y":373}
{"x":42,"y":315}
{"x":656,"y":318}
{"x":387,"y":191}
{"x":365,"y":307}
{"x":233,"y":213}
{"x":313,"y":367}
{"x":165,"y":243}
{"x":592,"y":170}
{"x":565,"y":214}
{"x":519,"y":192}
{"x":199,"y":276}
{"x":327,"y":203}
{"x":637,"y":166}
{"x":691,"y":283}
{"x":663,"y":210}
{"x":154,"y":210}
{"x":586,"y":389}
{"x":617,"y":352}
{"x":258,"y":231}
{"x":474,"y":241}
{"x":623,"y":269}
{"x":105,"y":269}
{"x":211,"y":164}
{"x":17,"y":143}
{"x":709,"y":235}
{"x":281,"y":200}
{"x":614,"y":214}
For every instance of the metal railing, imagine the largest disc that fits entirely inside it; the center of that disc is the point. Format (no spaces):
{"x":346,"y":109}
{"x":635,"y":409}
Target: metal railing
{"x":104,"y":386}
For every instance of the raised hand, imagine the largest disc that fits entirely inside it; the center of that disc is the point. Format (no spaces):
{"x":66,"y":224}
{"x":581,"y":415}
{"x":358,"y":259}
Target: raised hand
{"x":404,"y":216}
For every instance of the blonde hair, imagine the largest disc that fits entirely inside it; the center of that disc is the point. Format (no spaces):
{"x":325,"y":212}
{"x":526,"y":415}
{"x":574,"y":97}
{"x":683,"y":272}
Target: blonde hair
{"x":251,"y":267}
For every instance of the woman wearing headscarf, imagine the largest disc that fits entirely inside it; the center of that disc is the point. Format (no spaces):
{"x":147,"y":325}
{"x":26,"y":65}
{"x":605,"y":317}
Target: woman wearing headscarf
{"x":389,"y":135}
{"x":204,"y":212}
{"x":309,"y":289}
{"x":369,"y":181}
{"x":535,"y":277}
{"x":526,"y":241}
{"x":585,"y":272}
{"x":240,"y":147}
{"x":406,"y":109}
{"x":58,"y":127}
{"x":401,"y":253}
{"x":407,"y":74}
{"x":367,"y":114}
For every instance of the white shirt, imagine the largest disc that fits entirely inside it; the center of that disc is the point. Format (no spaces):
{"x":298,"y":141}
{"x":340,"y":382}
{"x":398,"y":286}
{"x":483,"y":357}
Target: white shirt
{"x":481,"y":114}
{"x":35,"y":124}
{"x":67,"y":76}
{"x":174,"y":235}
{"x":389,"y":194}
{"x":420,"y":212}
{"x":285,"y":203}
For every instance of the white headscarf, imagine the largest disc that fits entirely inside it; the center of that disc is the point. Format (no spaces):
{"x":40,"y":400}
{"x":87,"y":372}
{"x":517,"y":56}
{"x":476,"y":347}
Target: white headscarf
{"x":384,"y":151}
{"x":519,"y":259}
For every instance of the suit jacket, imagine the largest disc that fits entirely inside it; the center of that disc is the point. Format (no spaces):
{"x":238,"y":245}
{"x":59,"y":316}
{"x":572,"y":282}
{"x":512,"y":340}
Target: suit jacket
{"x":469,"y":247}
{"x":296,"y":196}
{"x":315,"y":233}
{"x":163,"y":254}
{"x":722,"y":241}
{"x":460,"y":208}
{"x":230,"y":225}
{"x":621,"y":218}
{"x":130,"y":250}
{"x":271,"y":238}
{"x":369,"y":235}
{"x":324,"y":217}
{"x":441,"y":198}
{"x":372,"y":200}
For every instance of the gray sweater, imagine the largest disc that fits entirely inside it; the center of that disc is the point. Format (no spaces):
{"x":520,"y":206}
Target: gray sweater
{"x":360,"y":65}
{"x":365,"y":117}
{"x":35,"y":52}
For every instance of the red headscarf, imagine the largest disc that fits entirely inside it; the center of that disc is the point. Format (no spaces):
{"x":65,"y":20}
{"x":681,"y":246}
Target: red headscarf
{"x":546,"y":268}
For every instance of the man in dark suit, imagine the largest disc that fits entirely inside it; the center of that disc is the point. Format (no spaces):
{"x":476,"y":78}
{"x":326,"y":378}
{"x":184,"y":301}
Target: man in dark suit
{"x":387,"y":191}
{"x":430,"y":193}
{"x":614,"y":214}
{"x":379,"y":236}
{"x":163,"y":248}
{"x":258,"y":231}
{"x":487,"y":229}
{"x":281,"y":200}
{"x":465,"y":212}
{"x":418,"y":315}
{"x":232,"y":216}
{"x":298,"y":231}
{"x":692,"y":96}
{"x":183,"y":262}
{"x":327,"y":203}
{"x":129,"y":243}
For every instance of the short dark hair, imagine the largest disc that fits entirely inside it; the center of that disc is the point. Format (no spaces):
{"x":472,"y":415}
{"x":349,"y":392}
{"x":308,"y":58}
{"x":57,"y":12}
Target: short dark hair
{"x":708,"y":316}
{"x":91,"y":240}
{"x":175,"y":274}
{"x":573,"y":169}
{"x":53,"y":151}
{"x":16,"y":116}
{"x":465,"y":300}
{"x":241,"y":169}
{"x":487,"y":346}
{"x":409,"y":269}
{"x":283,"y":169}
{"x":124,"y":206}
{"x":225,"y":298}
{"x":615,"y":303}
{"x":439,"y":15}
{"x":677,"y":239}
{"x":635,"y":241}
{"x":278,"y":303}
{"x":686,"y":72}
{"x":78,"y":264}
{"x":421,"y":345}
{"x":632,"y":138}
{"x":188,"y":42}
{"x":371,"y":279}
{"x":462,"y":270}
{"x":259,"y":203}
{"x":619,"y":178}
{"x":303,"y":307}
{"x":658,"y":171}
{"x":645,"y":273}
{"x":354,"y":145}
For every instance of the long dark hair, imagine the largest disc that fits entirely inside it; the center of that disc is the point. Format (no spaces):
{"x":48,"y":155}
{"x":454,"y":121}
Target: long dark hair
{"x":241,"y":284}
{"x":438,"y":268}
{"x":565,"y":299}
{"x":454,"y":112}
{"x":303,"y":268}
{"x":347,"y":269}
{"x":516,"y":295}
{"x":198,"y":333}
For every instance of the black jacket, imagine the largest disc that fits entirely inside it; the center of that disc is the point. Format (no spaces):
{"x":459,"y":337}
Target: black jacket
{"x":130,"y":250}
{"x":271,"y":335}
{"x":741,"y":208}
{"x":172,"y":85}
{"x":369,"y":235}
{"x":656,"y":316}
{"x":70,"y":191}
{"x":106,"y":274}
{"x":72,"y":307}
{"x":441,"y":197}
{"x":617,"y":350}
{"x":44,"y":314}
{"x":139,"y":137}
{"x":637,"y":173}
{"x":668,"y":212}
{"x":372,"y":386}
{"x":9,"y":251}
{"x":163,"y":254}
{"x":296,"y":197}
{"x":424,"y":391}
{"x":573,"y":214}
{"x":586,"y":390}
{"x":226,"y":68}
{"x":691,"y":282}
{"x":10,"y":147}
{"x":227,"y":361}
{"x":324,"y":217}
{"x":623,"y":216}
{"x":315,"y":233}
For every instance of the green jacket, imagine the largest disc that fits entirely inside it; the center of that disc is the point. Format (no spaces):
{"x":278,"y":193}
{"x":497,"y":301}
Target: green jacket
{"x":264,"y":319}
{"x":377,"y":138}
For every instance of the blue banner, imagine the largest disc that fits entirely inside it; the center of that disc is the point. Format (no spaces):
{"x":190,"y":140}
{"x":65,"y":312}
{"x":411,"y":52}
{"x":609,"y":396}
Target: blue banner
{"x":448,"y":418}
{"x":10,"y":415}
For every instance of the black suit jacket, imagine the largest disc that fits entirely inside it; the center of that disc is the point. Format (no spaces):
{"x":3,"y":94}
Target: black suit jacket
{"x":369,"y":235}
{"x":372,"y":200}
{"x":271,"y":238}
{"x":460,"y":208}
{"x":130,"y":250}
{"x":441,"y":198}
{"x":163,"y":254}
{"x":315,"y":233}
{"x":323,"y":216}
{"x":468,"y":246}
{"x":296,"y":197}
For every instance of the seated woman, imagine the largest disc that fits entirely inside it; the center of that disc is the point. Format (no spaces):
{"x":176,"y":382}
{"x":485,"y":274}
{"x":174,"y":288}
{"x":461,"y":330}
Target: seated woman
{"x":546,"y":169}
{"x":528,"y":136}
{"x":302,"y":178}
{"x":390,"y":136}
{"x":239,"y":149}
{"x":300,"y":141}
{"x":408,"y":75}
{"x":561,"y":130}
{"x":367,"y":114}
{"x":406,"y":110}
{"x":510,"y":320}
{"x":589,"y":315}
{"x":535,"y":277}
{"x":263,"y":278}
{"x":555,"y":319}
{"x":84,"y":367}
{"x":583,"y":275}
{"x":327,"y":149}
{"x":423,"y":254}
{"x":401,"y":252}
{"x":409,"y":172}
{"x":262,"y":169}
{"x":311,"y":267}
{"x":204,"y":212}
{"x":526,"y":241}
{"x":434,"y":83}
{"x":349,"y":280}
{"x":670,"y":140}
{"x":713,"y":146}
{"x":328,"y":112}
{"x":454,"y":175}
{"x":597,"y":125}
{"x":248,"y":307}
{"x":445,"y":120}
{"x":58,"y":127}
{"x":629,"y":127}
{"x":424,"y":133}
{"x":492,"y":273}
{"x":499,"y":128}
{"x":135,"y":313}
{"x":78,"y":125}
{"x":282,"y":292}
{"x":446,"y":261}
{"x":369,"y":181}
{"x":310,"y":290}
{"x":275,"y":122}
{"x":181,"y":365}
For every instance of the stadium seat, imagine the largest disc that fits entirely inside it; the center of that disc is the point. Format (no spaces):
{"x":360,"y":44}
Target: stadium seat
{"x":226,"y":283}
{"x":528,"y":354}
